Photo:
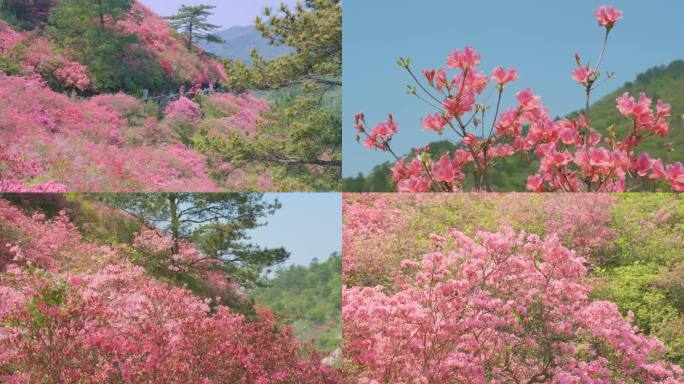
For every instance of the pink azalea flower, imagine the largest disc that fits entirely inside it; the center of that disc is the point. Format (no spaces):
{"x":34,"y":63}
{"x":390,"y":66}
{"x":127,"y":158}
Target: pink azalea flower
{"x":387,"y":128}
{"x":535,"y":183}
{"x":582,"y":75}
{"x":642,"y":164}
{"x":435,"y":122}
{"x":414,"y":184}
{"x":599,"y":157}
{"x":501,"y":76}
{"x":444,"y":170}
{"x":607,"y":16}
{"x":466,"y":59}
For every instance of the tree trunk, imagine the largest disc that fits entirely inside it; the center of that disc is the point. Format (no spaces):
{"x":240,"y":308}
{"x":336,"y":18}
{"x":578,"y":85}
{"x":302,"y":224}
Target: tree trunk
{"x":190,"y":37}
{"x":175,"y":222}
{"x":102,"y":23}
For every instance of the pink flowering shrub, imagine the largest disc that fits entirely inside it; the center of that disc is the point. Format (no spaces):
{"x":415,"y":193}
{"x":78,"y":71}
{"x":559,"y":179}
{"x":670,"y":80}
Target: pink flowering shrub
{"x":9,"y":38}
{"x":183,"y":108}
{"x":369,"y":224}
{"x":573,"y":156}
{"x":73,"y":75}
{"x":235,"y":113}
{"x":497,"y":308}
{"x":40,"y":56}
{"x":381,"y":230}
{"x":82,"y":144}
{"x":45,"y":244}
{"x":72,"y":312}
{"x":18,"y":174}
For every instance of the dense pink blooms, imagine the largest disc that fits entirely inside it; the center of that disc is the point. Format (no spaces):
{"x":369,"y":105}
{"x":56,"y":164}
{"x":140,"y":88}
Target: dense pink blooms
{"x":72,"y":311}
{"x":17,"y":174}
{"x":381,"y":135}
{"x":500,"y":307}
{"x":607,"y":16}
{"x":183,"y":108}
{"x":466,"y":59}
{"x":375,"y":226}
{"x":9,"y":38}
{"x":89,"y":145}
{"x":444,"y":170}
{"x":645,"y":119}
{"x":673,"y":173}
{"x":73,"y":75}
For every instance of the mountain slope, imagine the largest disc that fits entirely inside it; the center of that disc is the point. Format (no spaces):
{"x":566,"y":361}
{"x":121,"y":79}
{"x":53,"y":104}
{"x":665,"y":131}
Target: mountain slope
{"x":309,"y":298}
{"x":663,"y":82}
{"x":239,"y":42}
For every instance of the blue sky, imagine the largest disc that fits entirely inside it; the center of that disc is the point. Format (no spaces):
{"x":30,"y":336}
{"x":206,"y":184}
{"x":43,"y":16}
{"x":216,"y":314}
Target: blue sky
{"x":309,"y":225}
{"x":538,"y":38}
{"x":228,"y":13}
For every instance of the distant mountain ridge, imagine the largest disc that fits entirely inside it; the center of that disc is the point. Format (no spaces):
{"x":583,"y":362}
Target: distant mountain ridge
{"x":240,"y":40}
{"x":662,"y":82}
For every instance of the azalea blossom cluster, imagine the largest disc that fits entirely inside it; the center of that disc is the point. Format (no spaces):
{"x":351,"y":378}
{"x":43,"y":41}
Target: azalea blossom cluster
{"x":74,"y":75}
{"x":573,"y":156}
{"x":369,"y":226}
{"x":111,"y":142}
{"x":9,"y":38}
{"x":237,"y":113}
{"x":88,"y":146}
{"x":380,"y":231}
{"x":39,"y":56}
{"x":505,"y":307}
{"x":14,"y":169}
{"x":72,"y":311}
{"x":183,"y":108}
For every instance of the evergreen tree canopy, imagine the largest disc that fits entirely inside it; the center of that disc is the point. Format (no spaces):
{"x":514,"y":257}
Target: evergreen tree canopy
{"x":191,"y":21}
{"x":216,"y":223}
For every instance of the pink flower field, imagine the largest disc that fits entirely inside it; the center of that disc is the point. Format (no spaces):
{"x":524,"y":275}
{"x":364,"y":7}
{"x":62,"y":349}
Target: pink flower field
{"x":58,"y":133}
{"x":475,"y":288}
{"x":74,"y":311}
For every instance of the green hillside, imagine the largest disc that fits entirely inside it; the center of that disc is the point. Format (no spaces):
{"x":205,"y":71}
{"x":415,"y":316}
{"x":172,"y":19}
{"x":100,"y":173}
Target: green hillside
{"x":664,"y":82}
{"x":309,"y":298}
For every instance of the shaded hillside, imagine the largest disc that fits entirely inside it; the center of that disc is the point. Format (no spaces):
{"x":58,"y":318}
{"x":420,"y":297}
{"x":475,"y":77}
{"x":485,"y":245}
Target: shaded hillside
{"x":664,"y":82}
{"x":239,"y":42}
{"x":309,"y":298}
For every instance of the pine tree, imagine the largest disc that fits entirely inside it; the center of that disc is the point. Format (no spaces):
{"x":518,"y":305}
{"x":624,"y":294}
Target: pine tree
{"x":192,"y":22}
{"x":217,"y":223}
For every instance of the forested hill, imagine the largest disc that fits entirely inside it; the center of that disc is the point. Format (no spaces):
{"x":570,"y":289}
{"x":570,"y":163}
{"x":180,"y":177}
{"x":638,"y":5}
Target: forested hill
{"x":663,"y":82}
{"x":239,"y":41}
{"x":309,"y":298}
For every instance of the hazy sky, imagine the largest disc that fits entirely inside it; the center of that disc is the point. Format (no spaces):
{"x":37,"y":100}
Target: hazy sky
{"x":228,"y":13}
{"x":309,"y":225}
{"x":538,"y":38}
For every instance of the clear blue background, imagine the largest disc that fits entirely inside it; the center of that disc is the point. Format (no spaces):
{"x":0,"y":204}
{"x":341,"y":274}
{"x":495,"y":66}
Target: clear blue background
{"x":538,"y":38}
{"x":309,"y":225}
{"x":228,"y":13}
